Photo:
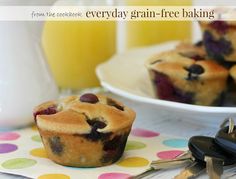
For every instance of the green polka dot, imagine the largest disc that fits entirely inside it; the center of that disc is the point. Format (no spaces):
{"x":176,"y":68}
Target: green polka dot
{"x":134,"y":145}
{"x":18,"y":163}
{"x":36,"y":138}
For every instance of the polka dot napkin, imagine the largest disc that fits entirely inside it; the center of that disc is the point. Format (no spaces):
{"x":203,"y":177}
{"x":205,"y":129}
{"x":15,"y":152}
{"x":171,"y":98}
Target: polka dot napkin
{"x":22,"y":153}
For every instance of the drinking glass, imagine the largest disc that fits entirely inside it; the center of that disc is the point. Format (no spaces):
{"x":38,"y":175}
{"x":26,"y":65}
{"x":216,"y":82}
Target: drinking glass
{"x":141,"y":33}
{"x":74,"y":48}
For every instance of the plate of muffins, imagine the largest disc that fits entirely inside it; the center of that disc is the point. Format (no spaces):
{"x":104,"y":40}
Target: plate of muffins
{"x":195,"y":81}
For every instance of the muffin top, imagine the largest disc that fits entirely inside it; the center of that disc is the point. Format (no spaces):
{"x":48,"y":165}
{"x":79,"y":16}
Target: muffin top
{"x":177,"y":65}
{"x":195,"y":51}
{"x":81,"y":114}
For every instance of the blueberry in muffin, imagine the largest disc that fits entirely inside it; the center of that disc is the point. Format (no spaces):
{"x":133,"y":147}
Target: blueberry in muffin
{"x":180,"y":78}
{"x":84,"y":131}
{"x":219,"y":40}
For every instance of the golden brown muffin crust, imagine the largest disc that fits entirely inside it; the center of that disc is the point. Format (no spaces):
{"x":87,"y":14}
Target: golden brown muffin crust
{"x":187,"y":47}
{"x":232,"y":72}
{"x":174,"y":64}
{"x":72,"y":115}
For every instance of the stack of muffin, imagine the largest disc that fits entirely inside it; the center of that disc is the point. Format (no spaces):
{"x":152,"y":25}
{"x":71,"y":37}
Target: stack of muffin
{"x":197,"y":73}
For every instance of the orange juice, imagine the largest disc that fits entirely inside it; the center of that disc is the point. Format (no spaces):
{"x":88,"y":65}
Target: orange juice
{"x":75,"y":48}
{"x":150,"y":32}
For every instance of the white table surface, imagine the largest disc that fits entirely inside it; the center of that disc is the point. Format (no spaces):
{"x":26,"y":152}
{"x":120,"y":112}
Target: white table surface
{"x":148,"y":118}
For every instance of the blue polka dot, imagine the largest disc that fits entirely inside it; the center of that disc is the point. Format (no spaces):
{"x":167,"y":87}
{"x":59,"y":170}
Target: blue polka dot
{"x":176,"y":143}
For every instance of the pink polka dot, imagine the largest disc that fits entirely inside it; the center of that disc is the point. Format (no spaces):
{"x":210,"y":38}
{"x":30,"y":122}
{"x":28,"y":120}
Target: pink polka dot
{"x":114,"y":176}
{"x":9,"y":136}
{"x":144,"y":133}
{"x":170,"y":154}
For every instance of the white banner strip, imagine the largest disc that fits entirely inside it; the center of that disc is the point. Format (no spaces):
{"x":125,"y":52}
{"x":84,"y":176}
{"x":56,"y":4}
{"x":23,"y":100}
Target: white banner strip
{"x":116,"y":13}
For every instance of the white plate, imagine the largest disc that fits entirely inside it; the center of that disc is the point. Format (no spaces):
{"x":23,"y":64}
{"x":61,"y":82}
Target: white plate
{"x":125,"y":75}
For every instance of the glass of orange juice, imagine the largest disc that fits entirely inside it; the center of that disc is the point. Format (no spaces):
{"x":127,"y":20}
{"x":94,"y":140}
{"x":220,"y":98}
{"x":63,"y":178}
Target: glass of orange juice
{"x":141,"y":33}
{"x":74,"y":48}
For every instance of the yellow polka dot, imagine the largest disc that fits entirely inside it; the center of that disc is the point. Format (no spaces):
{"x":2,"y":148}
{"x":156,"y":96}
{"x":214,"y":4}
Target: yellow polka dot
{"x":34,"y":128}
{"x":54,"y":176}
{"x":39,"y":152}
{"x":133,"y":162}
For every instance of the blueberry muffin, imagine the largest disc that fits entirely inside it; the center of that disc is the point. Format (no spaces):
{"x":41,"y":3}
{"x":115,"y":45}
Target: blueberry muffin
{"x":179,"y":78}
{"x":219,"y":40}
{"x":84,"y":131}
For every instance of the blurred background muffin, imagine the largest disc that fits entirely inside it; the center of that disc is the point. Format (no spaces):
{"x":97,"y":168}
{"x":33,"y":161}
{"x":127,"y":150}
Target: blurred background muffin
{"x":219,"y":40}
{"x":180,"y":78}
